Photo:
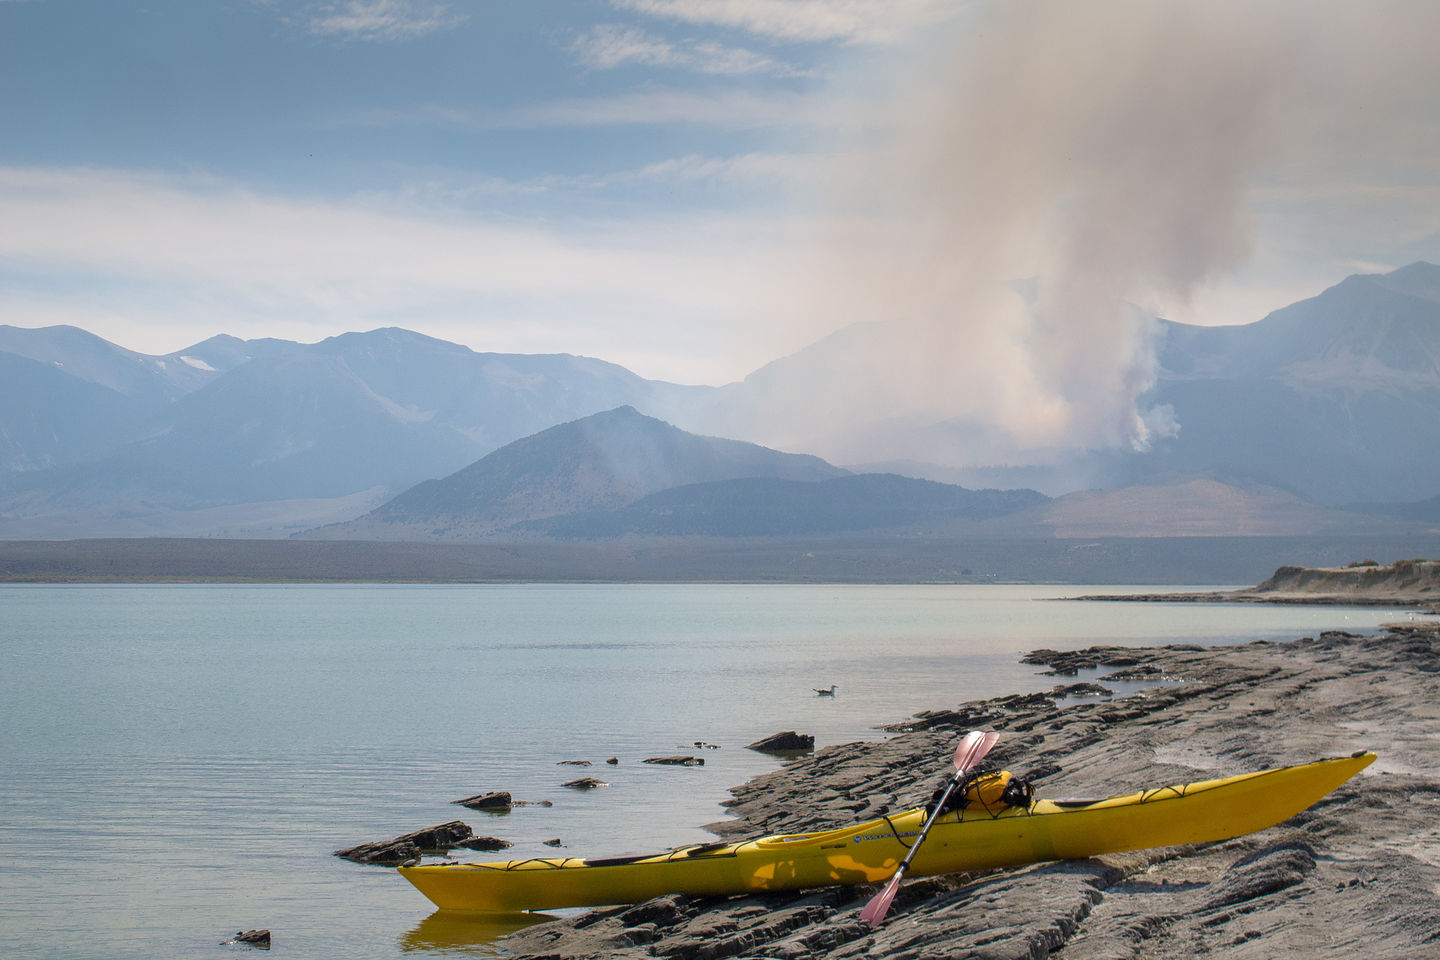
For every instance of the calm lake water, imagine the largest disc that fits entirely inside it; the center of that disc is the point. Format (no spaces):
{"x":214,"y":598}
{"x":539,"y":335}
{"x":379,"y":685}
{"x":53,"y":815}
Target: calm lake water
{"x":179,"y":762}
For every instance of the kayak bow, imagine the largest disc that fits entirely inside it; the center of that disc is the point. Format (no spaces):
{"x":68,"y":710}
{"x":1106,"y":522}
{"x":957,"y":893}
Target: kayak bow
{"x":971,"y":839}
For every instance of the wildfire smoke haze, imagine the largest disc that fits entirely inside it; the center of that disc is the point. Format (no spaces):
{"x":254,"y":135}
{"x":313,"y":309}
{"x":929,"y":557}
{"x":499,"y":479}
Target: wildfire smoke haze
{"x":1045,"y":177}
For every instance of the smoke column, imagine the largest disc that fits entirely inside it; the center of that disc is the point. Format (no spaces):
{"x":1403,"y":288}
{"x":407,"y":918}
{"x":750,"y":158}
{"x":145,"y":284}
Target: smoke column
{"x":1034,"y":178}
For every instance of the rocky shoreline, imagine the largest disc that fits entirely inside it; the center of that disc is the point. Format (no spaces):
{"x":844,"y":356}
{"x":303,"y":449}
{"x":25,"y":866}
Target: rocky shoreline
{"x":1356,"y":875}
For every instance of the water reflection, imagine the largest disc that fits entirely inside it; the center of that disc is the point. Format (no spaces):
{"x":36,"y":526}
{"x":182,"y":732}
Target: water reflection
{"x":471,"y":934}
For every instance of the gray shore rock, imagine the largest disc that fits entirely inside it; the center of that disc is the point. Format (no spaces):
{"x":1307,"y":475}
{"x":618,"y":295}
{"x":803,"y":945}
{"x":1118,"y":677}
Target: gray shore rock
{"x":1356,"y":875}
{"x":410,"y":846}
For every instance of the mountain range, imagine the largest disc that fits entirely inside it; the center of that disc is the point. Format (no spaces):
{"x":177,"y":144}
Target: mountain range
{"x":234,"y":437}
{"x":1329,"y":402}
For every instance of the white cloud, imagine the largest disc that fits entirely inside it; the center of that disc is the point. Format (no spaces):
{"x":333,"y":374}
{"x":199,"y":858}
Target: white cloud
{"x":720,"y":59}
{"x":607,"y":46}
{"x":850,"y":21}
{"x":382,"y":19}
{"x":135,"y":258}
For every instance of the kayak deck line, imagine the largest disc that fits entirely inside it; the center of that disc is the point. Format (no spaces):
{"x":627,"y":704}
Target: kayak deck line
{"x":867,"y":852}
{"x":572,"y":863}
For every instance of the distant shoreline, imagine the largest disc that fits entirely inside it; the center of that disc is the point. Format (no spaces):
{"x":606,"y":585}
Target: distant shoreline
{"x":1238,"y":596}
{"x":857,"y":560}
{"x":1413,"y":583}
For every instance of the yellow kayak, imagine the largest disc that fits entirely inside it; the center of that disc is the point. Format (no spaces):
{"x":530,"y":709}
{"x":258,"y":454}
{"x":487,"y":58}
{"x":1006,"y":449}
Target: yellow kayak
{"x":975,"y":838}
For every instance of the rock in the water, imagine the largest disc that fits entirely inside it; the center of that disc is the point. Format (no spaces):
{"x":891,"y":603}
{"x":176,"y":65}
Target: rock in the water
{"x":553,"y":843}
{"x":489,"y":844}
{"x":786,"y":742}
{"x":585,"y":783}
{"x":259,"y":938}
{"x":678,"y":761}
{"x":497,"y":800}
{"x":573,"y":763}
{"x":392,"y":853}
{"x":385,"y":853}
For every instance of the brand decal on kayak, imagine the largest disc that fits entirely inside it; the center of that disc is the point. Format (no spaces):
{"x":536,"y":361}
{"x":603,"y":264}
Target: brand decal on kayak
{"x":886,"y":836}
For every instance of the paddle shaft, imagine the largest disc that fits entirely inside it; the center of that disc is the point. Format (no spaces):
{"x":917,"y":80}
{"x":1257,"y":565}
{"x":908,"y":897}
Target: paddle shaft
{"x":971,"y":750}
{"x":955,"y":781}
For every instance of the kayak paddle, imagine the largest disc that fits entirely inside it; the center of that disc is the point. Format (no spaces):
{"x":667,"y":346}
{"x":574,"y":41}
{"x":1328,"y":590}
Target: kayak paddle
{"x":971,"y":751}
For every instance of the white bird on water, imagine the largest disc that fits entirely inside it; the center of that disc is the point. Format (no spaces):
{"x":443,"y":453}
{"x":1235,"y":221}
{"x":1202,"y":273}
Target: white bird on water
{"x":825,"y":693}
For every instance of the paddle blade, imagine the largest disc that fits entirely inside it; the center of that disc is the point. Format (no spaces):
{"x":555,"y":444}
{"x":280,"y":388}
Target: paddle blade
{"x":973,"y":748}
{"x":879,"y":905}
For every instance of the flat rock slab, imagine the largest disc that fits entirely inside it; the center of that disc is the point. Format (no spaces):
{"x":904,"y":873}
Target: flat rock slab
{"x":410,"y":846}
{"x":677,"y":761}
{"x":1356,"y":875}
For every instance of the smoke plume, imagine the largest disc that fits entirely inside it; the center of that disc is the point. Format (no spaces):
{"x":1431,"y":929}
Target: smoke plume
{"x":1052,"y":175}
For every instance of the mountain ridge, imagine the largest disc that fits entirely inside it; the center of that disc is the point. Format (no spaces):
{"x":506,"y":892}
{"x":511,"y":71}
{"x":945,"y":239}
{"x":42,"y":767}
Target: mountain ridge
{"x":601,"y":462}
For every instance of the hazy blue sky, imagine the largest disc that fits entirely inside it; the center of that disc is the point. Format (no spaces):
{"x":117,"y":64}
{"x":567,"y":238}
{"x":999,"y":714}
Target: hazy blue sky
{"x":661,"y":183}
